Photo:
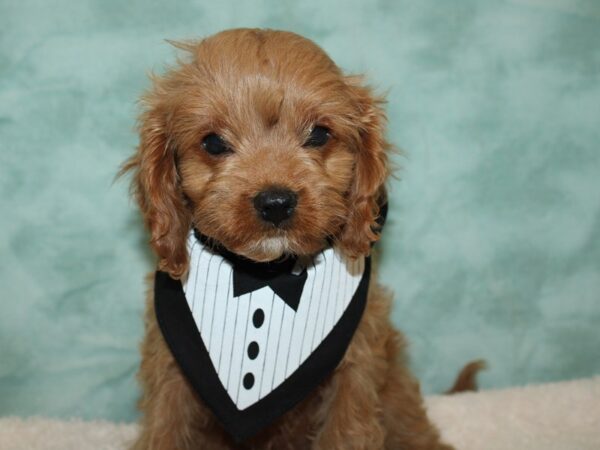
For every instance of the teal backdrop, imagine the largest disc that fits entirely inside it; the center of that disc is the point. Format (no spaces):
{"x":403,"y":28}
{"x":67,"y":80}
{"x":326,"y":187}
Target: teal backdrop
{"x":493,"y":242}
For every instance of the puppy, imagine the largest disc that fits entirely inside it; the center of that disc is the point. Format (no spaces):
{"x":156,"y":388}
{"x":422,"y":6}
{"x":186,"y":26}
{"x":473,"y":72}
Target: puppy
{"x":262,"y":146}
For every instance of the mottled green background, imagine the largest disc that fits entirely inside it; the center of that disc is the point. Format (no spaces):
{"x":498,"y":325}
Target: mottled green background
{"x":493,"y":245}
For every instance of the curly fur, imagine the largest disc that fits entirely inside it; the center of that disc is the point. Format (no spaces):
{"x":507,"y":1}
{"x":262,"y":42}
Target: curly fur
{"x":262,"y":90}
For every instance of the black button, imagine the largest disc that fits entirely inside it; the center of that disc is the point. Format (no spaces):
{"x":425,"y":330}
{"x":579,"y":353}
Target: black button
{"x":248,"y":380}
{"x":253,"y":350}
{"x":258,"y":318}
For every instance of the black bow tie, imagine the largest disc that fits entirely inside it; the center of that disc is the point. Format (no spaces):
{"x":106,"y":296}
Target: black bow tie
{"x":250,"y":276}
{"x":287,"y":286}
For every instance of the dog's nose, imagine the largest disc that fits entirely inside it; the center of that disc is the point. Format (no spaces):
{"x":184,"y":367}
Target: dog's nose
{"x":275,"y":205}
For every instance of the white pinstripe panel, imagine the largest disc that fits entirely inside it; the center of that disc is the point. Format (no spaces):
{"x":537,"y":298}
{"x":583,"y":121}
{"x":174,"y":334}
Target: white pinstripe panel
{"x":239,"y":350}
{"x":209,"y":296}
{"x":332,"y":306}
{"x":283,"y":346}
{"x":311,"y":323}
{"x":299,"y":325}
{"x":218,"y":318}
{"x":324,"y":301}
{"x":224,"y":360}
{"x":285,"y":339}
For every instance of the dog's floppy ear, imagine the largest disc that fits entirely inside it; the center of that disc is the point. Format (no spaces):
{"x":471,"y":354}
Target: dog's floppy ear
{"x":370,"y":171}
{"x":156,"y":187}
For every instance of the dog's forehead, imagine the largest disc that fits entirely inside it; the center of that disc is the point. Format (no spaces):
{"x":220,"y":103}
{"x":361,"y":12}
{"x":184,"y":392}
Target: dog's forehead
{"x":266,"y":59}
{"x":248,"y":76}
{"x":263,"y":50}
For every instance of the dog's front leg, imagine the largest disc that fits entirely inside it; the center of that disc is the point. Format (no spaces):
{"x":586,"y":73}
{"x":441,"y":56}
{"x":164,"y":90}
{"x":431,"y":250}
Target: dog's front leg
{"x":173,"y":417}
{"x":171,"y":422}
{"x":350,"y":414}
{"x":406,"y":422}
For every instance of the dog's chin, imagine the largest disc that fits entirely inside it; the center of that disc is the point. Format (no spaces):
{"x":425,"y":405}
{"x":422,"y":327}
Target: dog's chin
{"x":266,"y":249}
{"x":275,"y":247}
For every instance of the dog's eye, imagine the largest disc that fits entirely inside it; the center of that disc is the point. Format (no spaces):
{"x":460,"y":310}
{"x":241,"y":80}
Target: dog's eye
{"x":318,"y":137}
{"x":215,"y":145}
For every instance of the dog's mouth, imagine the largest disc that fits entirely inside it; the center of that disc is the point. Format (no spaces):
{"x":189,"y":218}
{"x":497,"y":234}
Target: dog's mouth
{"x":268,"y":249}
{"x":275,"y":246}
{"x":275,"y":250}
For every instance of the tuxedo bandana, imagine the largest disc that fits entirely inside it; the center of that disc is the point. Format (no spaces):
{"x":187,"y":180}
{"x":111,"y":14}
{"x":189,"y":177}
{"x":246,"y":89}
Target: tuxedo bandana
{"x":254,"y":339}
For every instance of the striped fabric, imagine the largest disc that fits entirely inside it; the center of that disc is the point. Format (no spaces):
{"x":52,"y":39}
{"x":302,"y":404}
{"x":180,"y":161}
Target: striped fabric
{"x":256,"y":341}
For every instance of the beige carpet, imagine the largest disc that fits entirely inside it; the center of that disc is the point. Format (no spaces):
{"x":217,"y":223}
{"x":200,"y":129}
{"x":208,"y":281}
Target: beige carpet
{"x":558,"y":416}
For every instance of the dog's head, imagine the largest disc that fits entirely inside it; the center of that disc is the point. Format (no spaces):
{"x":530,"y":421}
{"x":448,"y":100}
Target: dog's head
{"x":260,"y":142}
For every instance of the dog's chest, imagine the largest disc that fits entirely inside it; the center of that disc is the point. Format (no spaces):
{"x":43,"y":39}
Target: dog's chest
{"x":257,"y":340}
